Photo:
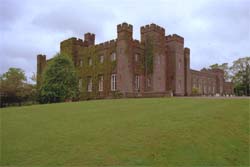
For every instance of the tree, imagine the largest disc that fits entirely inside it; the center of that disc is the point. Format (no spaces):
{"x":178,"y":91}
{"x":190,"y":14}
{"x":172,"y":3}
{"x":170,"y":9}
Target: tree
{"x":59,"y":81}
{"x":241,"y":76}
{"x":12,"y":86}
{"x":223,"y":67}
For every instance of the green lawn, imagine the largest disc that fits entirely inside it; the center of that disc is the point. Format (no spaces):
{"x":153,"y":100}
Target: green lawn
{"x":127,"y":132}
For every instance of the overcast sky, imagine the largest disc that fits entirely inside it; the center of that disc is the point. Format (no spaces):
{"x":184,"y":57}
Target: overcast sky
{"x":216,"y":31}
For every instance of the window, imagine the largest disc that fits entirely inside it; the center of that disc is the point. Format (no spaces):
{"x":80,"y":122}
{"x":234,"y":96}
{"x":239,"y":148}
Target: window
{"x":89,"y":88}
{"x":100,"y":87}
{"x":101,"y":59}
{"x":90,"y":61}
{"x":81,"y":62}
{"x":179,"y":64}
{"x":136,"y":57}
{"x":80,"y":84}
{"x":113,"y":56}
{"x":137,"y":82}
{"x":113,"y":82}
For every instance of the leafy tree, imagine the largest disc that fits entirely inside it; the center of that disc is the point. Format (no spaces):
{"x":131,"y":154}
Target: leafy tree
{"x":223,"y":67}
{"x":241,"y":76}
{"x":13,"y":87}
{"x":60,"y":81}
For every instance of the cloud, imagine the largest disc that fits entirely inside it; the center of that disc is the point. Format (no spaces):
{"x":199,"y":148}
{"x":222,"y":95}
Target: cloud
{"x":77,"y":19}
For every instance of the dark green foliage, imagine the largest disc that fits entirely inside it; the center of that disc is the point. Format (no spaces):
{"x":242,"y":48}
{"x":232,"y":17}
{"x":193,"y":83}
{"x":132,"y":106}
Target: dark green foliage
{"x":60,"y":81}
{"x":14,"y":88}
{"x":241,"y":76}
{"x":238,"y":73}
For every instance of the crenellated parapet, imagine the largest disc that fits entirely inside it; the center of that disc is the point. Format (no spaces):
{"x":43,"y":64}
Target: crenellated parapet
{"x":89,"y":38}
{"x":152,"y":28}
{"x":124,"y":31}
{"x":72,"y":41}
{"x":175,"y":38}
{"x":124,"y":27}
{"x":106,"y":44}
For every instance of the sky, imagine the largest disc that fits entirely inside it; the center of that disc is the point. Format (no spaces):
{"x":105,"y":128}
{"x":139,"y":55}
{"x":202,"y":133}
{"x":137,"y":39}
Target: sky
{"x":216,"y":31}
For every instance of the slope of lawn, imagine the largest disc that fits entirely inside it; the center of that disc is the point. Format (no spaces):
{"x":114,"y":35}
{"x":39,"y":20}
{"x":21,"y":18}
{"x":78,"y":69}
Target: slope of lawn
{"x":127,"y":132}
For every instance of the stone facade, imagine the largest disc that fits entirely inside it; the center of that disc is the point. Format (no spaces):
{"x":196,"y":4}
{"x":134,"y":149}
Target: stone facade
{"x":157,"y":65}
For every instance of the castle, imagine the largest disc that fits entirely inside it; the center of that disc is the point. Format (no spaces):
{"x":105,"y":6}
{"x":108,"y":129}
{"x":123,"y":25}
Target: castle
{"x":157,"y":65}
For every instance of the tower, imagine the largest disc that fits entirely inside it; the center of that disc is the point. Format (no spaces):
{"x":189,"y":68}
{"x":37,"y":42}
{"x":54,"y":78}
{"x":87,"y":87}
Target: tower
{"x":89,"y":39}
{"x":124,"y":58}
{"x":175,"y":67}
{"x":153,"y":38}
{"x":71,"y":47}
{"x":41,"y":64}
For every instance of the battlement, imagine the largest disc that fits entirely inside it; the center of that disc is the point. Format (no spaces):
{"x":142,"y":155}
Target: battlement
{"x":73,"y":41}
{"x":124,"y":27}
{"x":89,"y":38}
{"x":152,"y":27}
{"x":40,"y":56}
{"x":216,"y":70}
{"x":89,"y":35}
{"x":175,"y":37}
{"x":106,"y":44}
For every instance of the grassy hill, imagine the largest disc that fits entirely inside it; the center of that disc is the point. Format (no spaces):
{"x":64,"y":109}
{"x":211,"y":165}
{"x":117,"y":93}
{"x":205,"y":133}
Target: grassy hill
{"x":127,"y":132}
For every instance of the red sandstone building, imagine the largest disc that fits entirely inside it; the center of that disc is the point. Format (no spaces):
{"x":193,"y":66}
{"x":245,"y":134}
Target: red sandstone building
{"x":157,"y":65}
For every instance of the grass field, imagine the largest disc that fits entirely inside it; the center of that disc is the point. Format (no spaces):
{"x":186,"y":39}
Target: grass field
{"x":128,"y":132}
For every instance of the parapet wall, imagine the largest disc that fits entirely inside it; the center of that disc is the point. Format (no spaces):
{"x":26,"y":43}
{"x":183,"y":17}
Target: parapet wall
{"x":152,"y":27}
{"x":106,"y":44}
{"x":175,"y":37}
{"x":73,"y":41}
{"x":124,"y":27}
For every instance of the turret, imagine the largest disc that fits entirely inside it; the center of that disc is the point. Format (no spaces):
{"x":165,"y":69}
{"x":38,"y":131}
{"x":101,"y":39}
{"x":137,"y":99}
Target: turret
{"x":41,"y":64}
{"x":124,"y":31}
{"x":71,"y":46}
{"x":175,"y":45}
{"x":152,"y":31}
{"x":153,"y":38}
{"x":124,"y":58}
{"x":89,"y":38}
